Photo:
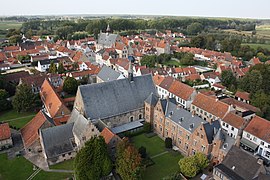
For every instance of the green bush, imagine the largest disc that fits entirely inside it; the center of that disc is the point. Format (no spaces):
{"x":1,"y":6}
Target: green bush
{"x":168,"y":143}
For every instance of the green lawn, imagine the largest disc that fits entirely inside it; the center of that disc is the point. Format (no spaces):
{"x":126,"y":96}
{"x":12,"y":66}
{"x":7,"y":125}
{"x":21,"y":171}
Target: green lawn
{"x":67,"y":165}
{"x":153,"y":145}
{"x":165,"y":164}
{"x":10,"y":25}
{"x":20,"y":168}
{"x":172,"y":63}
{"x":255,"y":46}
{"x":12,"y":114}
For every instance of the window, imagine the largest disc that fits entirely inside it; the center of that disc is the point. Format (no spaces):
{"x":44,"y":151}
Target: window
{"x":201,"y":136}
{"x":254,"y":138}
{"x":179,"y":140}
{"x":203,"y":148}
{"x":232,"y":128}
{"x":223,"y":124}
{"x":180,"y":132}
{"x":248,"y":135}
{"x":63,"y":155}
{"x":194,"y":143}
{"x":262,"y":143}
{"x":227,"y":125}
{"x":140,"y":116}
{"x":187,"y":136}
{"x":131,"y":118}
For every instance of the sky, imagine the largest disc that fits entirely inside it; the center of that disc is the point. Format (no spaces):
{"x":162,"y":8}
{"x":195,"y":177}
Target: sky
{"x":206,"y":8}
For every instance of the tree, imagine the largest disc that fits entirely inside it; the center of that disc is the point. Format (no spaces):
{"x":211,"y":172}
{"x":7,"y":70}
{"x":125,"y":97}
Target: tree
{"x":262,"y":101}
{"x":93,"y":160}
{"x":61,"y":68}
{"x":24,"y":99}
{"x":52,"y":68}
{"x":147,"y":127}
{"x":15,"y":39}
{"x":142,"y":151}
{"x":128,"y":161}
{"x":251,"y":82}
{"x":194,"y":28}
{"x":228,"y":79}
{"x":190,"y":166}
{"x":5,"y":104}
{"x":168,"y":142}
{"x":70,"y":85}
{"x":75,"y":66}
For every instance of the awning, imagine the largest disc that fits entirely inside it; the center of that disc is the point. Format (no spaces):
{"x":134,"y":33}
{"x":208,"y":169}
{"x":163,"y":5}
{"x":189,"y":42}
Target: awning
{"x":127,"y":127}
{"x":249,"y":144}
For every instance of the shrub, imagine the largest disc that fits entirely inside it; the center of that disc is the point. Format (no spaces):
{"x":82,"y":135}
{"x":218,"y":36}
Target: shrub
{"x":142,"y":151}
{"x":168,"y":143}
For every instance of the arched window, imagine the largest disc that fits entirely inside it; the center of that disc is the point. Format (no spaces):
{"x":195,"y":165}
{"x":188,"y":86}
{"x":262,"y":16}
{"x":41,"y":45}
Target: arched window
{"x":140,"y":116}
{"x":131,"y":118}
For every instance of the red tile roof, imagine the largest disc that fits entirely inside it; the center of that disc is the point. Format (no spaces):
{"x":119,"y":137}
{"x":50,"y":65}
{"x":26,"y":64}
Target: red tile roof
{"x":167,"y":82}
{"x":61,"y":120}
{"x":5,"y":132}
{"x":52,"y":101}
{"x":30,"y":130}
{"x":260,"y":128}
{"x":211,"y":105}
{"x":240,"y":104}
{"x":181,"y":90}
{"x":108,"y":135}
{"x":234,"y":120}
{"x":242,"y":95}
{"x":158,"y":79}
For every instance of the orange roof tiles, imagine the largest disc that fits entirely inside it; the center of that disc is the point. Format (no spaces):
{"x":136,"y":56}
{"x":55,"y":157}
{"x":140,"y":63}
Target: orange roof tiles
{"x":51,"y":100}
{"x":181,"y":90}
{"x":242,"y":95}
{"x":260,"y":128}
{"x":234,"y":120}
{"x":5,"y":132}
{"x":107,"y":134}
{"x":30,"y":130}
{"x":211,"y":105}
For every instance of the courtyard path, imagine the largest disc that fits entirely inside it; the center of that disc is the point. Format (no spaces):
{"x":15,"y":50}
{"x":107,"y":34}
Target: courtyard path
{"x":14,"y":119}
{"x":160,"y":154}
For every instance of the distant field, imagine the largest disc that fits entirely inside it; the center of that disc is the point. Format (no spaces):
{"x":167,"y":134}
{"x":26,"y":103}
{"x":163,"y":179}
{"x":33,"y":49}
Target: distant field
{"x":255,"y":46}
{"x":9,"y":25}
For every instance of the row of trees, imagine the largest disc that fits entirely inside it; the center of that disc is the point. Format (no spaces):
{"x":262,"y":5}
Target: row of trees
{"x":232,"y":44}
{"x":185,"y":59}
{"x":93,"y":160}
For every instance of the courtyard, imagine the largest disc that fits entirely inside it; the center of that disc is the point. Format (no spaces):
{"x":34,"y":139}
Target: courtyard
{"x":165,"y":161}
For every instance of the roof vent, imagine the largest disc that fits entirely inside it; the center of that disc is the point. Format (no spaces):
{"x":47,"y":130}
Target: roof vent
{"x":191,"y":126}
{"x":233,"y":167}
{"x":171,"y":113}
{"x":181,"y":120}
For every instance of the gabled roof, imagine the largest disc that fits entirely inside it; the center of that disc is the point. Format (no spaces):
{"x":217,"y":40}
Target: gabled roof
{"x":36,"y":80}
{"x":181,"y":90}
{"x":239,"y":165}
{"x":108,"y":135}
{"x":234,"y":120}
{"x":152,"y":99}
{"x":212,"y":131}
{"x":108,"y":74}
{"x":167,"y":82}
{"x":158,"y":79}
{"x":51,"y":99}
{"x":30,"y":132}
{"x":260,"y":128}
{"x":5,"y":132}
{"x":242,"y":95}
{"x":115,"y":97}
{"x":58,"y":140}
{"x":211,"y":105}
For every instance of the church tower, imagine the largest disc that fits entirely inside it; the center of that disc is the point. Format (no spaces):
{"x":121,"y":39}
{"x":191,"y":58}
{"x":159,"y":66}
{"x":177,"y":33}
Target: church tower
{"x":108,"y":30}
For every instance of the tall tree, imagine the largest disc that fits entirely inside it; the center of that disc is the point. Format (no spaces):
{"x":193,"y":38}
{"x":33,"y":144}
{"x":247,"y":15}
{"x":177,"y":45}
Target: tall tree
{"x":70,"y":85}
{"x":5,"y":104}
{"x":24,"y":99}
{"x":228,"y":79}
{"x":61,"y":68}
{"x":52,"y":68}
{"x":128,"y":161}
{"x":93,"y":162}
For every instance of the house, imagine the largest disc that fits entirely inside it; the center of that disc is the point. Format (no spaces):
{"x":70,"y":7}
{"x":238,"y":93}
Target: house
{"x":121,"y":49}
{"x":58,"y":143}
{"x":233,"y":124}
{"x":90,"y":74}
{"x":183,"y":93}
{"x":211,"y":77}
{"x":108,"y":74}
{"x":30,"y":132}
{"x":239,"y":165}
{"x":209,"y":108}
{"x":163,"y":85}
{"x":54,"y":107}
{"x":256,"y":137}
{"x":107,"y":40}
{"x":115,"y":102}
{"x":242,"y":96}
{"x":44,"y":65}
{"x":34,"y":81}
{"x":163,"y":47}
{"x":5,"y":136}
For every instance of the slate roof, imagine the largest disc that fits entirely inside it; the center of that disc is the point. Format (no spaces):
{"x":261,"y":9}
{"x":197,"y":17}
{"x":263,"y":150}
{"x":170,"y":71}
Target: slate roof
{"x":58,"y":140}
{"x":107,"y":39}
{"x":211,"y":130}
{"x":152,"y":99}
{"x":5,"y":132}
{"x":115,"y":97}
{"x":245,"y":165}
{"x":108,"y":74}
{"x":183,"y":117}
